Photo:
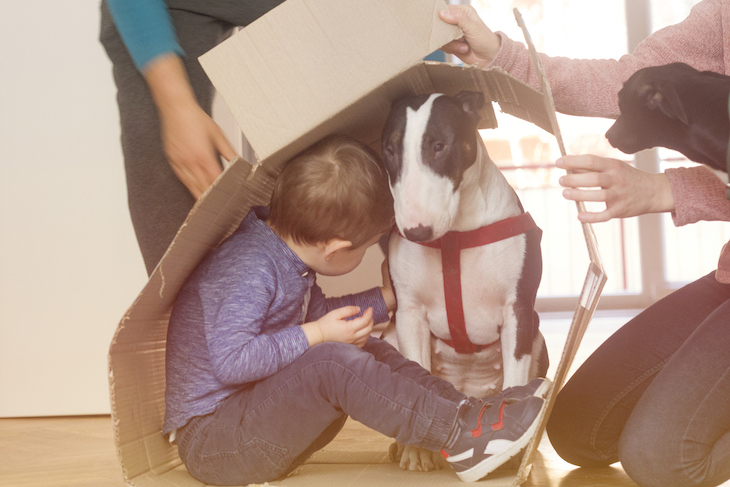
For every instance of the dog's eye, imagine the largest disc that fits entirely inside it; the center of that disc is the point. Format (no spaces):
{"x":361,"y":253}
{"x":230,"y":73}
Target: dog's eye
{"x":438,"y":147}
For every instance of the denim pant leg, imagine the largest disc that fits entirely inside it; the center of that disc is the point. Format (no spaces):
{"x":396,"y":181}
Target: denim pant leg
{"x":592,"y":409}
{"x":679,"y":432}
{"x":266,"y":429}
{"x":384,"y":352}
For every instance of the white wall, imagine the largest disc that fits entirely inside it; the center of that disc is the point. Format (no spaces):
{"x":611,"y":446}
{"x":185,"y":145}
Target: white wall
{"x":69,"y":263}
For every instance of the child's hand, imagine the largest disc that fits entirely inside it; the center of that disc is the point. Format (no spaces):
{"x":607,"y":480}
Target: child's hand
{"x":333,"y":327}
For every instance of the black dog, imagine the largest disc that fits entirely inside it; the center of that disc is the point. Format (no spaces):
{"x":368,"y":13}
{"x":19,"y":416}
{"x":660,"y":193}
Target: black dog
{"x":677,"y":107}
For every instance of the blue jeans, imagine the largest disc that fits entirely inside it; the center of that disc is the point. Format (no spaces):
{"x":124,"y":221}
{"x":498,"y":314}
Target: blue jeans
{"x":656,"y":394}
{"x":268,"y":428}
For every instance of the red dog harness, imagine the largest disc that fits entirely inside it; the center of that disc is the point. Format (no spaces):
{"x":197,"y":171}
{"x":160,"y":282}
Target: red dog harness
{"x":451,"y":245}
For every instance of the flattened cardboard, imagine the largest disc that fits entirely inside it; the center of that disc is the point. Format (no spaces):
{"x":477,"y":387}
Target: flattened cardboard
{"x":306,"y":60}
{"x":592,"y":286}
{"x":335,"y":76}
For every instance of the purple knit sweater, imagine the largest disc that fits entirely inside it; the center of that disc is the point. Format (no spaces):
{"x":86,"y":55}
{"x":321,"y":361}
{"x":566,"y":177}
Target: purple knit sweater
{"x":236,"y":319}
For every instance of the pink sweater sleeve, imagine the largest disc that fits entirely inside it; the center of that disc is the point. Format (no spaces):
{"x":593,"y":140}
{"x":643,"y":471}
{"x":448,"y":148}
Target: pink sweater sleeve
{"x":698,"y":195}
{"x":589,"y":87}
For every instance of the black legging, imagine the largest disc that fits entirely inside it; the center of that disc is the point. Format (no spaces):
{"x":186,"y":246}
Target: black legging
{"x":158,"y":201}
{"x":656,"y":394}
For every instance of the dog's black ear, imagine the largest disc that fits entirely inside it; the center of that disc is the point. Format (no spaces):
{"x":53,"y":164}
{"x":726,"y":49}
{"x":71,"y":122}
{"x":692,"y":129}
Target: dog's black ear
{"x":664,"y":96}
{"x":471,"y":102}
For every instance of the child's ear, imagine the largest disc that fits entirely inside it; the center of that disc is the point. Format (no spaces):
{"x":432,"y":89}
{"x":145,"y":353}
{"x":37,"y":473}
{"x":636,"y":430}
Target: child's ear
{"x":333,"y":245}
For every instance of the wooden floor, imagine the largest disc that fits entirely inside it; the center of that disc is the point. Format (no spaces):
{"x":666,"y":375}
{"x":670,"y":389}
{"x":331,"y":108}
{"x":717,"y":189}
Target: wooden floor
{"x":79,"y":452}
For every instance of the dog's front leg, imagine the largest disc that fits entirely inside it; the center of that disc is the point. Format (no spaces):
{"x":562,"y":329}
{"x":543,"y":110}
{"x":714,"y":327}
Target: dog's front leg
{"x":414,"y":334}
{"x":414,"y":342}
{"x":516,"y":361}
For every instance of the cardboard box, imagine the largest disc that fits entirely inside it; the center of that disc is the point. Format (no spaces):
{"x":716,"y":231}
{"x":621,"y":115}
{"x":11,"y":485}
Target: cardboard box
{"x":306,"y":69}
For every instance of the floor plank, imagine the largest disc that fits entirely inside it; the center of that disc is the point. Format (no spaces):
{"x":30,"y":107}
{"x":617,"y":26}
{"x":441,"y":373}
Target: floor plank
{"x":79,"y":452}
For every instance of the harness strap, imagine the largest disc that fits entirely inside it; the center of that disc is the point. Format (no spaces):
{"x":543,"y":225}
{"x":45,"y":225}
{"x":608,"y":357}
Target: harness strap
{"x":451,"y":245}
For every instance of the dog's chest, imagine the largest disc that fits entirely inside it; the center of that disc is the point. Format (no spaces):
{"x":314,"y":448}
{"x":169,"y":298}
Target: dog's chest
{"x":489,"y":277}
{"x":476,"y":375}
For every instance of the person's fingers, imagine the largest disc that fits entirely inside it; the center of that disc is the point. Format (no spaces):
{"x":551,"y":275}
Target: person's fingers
{"x":223,"y":146}
{"x":583,"y":162}
{"x":594,"y":217}
{"x":466,"y":17}
{"x":599,"y":195}
{"x":363,"y":321}
{"x":456,"y":47}
{"x":585,"y":180}
{"x":188,"y":179}
{"x":344,"y":312}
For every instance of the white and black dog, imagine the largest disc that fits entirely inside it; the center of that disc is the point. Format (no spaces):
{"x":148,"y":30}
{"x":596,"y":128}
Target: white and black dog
{"x":465,"y":261}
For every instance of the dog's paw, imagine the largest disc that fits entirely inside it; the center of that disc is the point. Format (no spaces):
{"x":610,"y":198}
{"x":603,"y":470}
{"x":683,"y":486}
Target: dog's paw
{"x":415,"y":459}
{"x":395,"y":452}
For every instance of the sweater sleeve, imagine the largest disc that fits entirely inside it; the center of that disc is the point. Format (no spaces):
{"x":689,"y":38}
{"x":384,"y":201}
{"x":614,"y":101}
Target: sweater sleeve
{"x":698,"y":195}
{"x":146,"y":29}
{"x":236,"y":306}
{"x":589,"y":87}
{"x":319,"y":305}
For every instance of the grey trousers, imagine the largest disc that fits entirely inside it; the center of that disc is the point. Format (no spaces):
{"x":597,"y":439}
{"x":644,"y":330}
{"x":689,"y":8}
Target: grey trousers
{"x":158,"y":201}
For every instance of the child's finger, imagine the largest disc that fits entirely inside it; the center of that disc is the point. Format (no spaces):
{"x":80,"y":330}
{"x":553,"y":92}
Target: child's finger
{"x":344,"y":312}
{"x":367,"y":317}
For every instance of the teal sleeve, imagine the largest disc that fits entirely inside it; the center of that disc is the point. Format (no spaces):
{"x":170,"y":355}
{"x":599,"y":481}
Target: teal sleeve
{"x":146,"y":29}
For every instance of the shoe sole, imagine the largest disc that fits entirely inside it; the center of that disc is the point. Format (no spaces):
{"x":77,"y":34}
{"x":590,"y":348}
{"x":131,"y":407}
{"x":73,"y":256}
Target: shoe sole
{"x":489,"y":465}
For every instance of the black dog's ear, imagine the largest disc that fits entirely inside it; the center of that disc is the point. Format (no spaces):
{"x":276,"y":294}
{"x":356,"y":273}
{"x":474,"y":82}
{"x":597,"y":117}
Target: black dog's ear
{"x":664,"y":96}
{"x":471,"y":102}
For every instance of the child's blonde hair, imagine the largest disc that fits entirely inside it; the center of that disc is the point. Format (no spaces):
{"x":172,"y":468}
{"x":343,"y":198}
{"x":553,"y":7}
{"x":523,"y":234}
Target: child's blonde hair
{"x":335,"y":189}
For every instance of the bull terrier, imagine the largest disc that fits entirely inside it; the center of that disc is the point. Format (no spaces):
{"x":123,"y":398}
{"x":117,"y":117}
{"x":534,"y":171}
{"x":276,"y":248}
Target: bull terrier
{"x":465,"y":259}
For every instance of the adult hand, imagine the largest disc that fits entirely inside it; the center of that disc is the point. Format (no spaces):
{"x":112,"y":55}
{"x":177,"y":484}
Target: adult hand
{"x":479,"y":44}
{"x":334,"y":327}
{"x":627,"y":191}
{"x":191,"y":139}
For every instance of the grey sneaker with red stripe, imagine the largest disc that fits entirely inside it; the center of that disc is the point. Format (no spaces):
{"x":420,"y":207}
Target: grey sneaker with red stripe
{"x":488,"y":434}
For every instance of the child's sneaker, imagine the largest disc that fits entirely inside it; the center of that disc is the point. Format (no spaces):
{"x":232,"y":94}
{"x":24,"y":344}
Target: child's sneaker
{"x":490,"y":434}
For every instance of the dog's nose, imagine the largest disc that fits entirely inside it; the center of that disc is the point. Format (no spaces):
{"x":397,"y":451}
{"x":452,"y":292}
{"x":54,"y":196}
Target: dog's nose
{"x":418,"y":234}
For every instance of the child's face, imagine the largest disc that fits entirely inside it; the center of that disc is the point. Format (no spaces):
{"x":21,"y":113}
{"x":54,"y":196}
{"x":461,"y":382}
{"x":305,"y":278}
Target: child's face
{"x":346,"y":260}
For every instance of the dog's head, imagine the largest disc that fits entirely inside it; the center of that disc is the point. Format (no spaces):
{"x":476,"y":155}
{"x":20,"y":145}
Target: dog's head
{"x":674,"y":106}
{"x":428,"y":142}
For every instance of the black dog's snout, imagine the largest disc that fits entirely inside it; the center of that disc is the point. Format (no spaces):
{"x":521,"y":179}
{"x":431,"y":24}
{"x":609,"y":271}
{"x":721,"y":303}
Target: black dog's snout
{"x":418,"y":234}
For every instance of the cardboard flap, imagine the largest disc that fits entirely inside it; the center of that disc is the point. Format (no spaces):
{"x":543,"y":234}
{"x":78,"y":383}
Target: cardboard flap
{"x":304,"y":61}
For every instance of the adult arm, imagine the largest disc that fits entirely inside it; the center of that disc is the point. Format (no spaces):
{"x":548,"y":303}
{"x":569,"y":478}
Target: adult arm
{"x":191,"y":139}
{"x":589,"y":87}
{"x":146,"y":29}
{"x":691,"y":194}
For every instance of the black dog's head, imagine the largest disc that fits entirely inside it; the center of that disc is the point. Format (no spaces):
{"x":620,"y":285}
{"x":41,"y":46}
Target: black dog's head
{"x":677,"y":107}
